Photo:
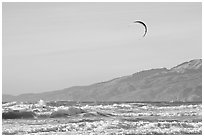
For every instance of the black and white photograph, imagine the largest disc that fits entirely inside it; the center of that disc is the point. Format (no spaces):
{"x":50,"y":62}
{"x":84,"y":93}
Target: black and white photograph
{"x":101,"y":68}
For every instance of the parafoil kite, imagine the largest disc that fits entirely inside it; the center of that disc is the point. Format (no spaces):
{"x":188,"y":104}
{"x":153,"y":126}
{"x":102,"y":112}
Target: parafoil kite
{"x":140,"y":22}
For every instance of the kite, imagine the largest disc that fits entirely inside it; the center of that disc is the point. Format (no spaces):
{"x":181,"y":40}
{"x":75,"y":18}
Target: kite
{"x":143,"y":25}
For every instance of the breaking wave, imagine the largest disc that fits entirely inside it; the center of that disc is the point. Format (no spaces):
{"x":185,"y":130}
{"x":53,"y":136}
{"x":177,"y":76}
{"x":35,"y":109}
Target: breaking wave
{"x":102,"y":118}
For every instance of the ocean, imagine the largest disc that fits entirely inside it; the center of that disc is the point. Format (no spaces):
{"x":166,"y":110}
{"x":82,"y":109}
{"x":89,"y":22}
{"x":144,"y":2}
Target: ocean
{"x":102,"y":118}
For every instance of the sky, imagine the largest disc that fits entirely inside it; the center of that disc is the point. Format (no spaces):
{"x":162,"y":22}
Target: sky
{"x":51,"y":46}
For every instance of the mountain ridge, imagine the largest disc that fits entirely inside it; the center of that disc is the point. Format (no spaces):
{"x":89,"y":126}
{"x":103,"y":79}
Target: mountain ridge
{"x":180,"y":83}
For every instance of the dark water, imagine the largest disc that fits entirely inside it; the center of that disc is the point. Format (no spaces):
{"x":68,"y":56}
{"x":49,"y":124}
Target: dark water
{"x":106,"y":118}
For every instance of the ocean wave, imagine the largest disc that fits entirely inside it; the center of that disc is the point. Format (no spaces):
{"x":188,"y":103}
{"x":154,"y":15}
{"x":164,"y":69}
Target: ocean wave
{"x":107,"y":127}
{"x":103,"y":119}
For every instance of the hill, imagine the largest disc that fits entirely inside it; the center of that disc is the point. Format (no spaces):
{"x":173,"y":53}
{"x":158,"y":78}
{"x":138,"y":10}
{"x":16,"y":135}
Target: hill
{"x":180,"y":83}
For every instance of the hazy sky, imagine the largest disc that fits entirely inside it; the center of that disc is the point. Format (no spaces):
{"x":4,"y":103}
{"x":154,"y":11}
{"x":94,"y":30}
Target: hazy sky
{"x":49,"y":46}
